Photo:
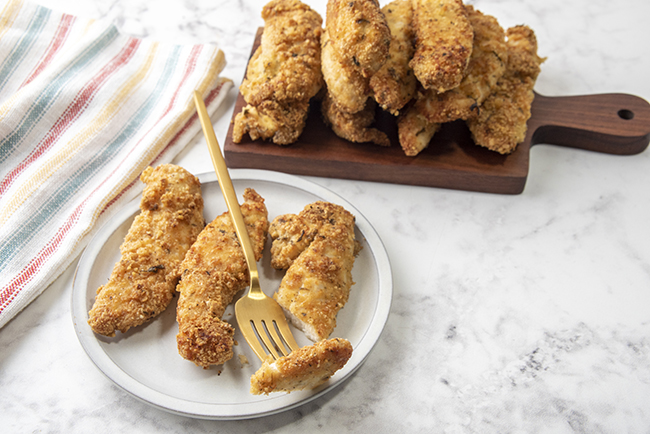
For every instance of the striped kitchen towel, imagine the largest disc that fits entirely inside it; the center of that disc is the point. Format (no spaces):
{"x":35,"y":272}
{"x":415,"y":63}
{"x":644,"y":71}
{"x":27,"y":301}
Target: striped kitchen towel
{"x":83,"y":111}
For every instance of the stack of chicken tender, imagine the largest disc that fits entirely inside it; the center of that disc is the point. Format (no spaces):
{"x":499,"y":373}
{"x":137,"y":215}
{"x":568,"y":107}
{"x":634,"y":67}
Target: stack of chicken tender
{"x":427,"y":63}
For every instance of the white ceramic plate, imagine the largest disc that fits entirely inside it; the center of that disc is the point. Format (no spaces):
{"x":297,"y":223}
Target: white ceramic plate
{"x":145,"y":361}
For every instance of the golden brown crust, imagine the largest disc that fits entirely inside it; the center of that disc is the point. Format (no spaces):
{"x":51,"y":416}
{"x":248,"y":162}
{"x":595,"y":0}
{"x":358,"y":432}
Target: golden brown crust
{"x":214,"y":270}
{"x":286,"y":65}
{"x":143,"y":282}
{"x":486,"y":66}
{"x":414,"y":130}
{"x":280,"y":122}
{"x":394,"y":84}
{"x":346,"y":86}
{"x":360,"y":34}
{"x":501,"y":123}
{"x":317,"y":284}
{"x":355,"y":127}
{"x":305,"y":368}
{"x":444,"y":39}
{"x":355,"y":45}
{"x":283,"y":74}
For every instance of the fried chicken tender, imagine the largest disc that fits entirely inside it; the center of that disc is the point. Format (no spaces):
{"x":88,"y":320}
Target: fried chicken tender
{"x":305,"y":368}
{"x":501,"y":123}
{"x":360,"y":33}
{"x":354,"y":46}
{"x":282,"y":123}
{"x":415,"y":131}
{"x":444,"y":39}
{"x":486,"y":66}
{"x":283,"y":74}
{"x":214,"y":270}
{"x":345,"y":85}
{"x":143,"y":282}
{"x":355,"y":127}
{"x":319,"y":248}
{"x":394,"y":84}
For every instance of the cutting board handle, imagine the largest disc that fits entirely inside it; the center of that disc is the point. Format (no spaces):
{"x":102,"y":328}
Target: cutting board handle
{"x":612,"y":123}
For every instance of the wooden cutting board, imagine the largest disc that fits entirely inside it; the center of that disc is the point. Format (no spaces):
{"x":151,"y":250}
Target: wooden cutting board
{"x":609,"y":123}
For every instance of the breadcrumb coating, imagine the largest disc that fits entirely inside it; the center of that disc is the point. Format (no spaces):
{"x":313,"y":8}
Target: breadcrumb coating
{"x":501,"y":123}
{"x":143,"y":282}
{"x":394,"y":84}
{"x":283,"y":74}
{"x":443,"y":45}
{"x":304,"y":368}
{"x":319,"y":247}
{"x":214,"y":270}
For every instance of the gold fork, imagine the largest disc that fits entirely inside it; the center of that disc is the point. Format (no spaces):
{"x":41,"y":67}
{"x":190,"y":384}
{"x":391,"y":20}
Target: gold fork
{"x":260,"y":318}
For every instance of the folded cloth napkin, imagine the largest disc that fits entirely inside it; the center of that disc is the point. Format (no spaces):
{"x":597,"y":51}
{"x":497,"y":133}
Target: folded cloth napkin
{"x":83,"y":111}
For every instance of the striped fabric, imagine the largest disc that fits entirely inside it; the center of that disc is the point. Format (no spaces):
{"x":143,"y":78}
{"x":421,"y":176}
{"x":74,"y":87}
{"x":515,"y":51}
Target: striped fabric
{"x":83,"y":111}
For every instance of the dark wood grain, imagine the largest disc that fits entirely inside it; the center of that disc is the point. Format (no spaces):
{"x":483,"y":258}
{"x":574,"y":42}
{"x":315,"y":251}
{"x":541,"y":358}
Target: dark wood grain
{"x":610,"y":123}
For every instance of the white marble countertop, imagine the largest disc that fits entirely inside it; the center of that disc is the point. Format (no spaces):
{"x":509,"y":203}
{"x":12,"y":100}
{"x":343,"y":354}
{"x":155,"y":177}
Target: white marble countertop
{"x":511,"y":314}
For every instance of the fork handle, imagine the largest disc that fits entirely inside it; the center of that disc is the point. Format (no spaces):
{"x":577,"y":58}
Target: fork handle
{"x":225,"y":183}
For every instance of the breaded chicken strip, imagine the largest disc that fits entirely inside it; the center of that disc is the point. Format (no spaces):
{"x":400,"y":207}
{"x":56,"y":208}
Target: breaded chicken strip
{"x":282,"y":123}
{"x":346,"y":85}
{"x":443,"y":45}
{"x":317,"y":284}
{"x":214,"y":270}
{"x":360,"y":33}
{"x":355,"y":127}
{"x":143,"y":282}
{"x":501,"y":123}
{"x":305,"y":368}
{"x":414,"y":130}
{"x":394,"y":84}
{"x":354,"y":46}
{"x":283,"y":74}
{"x":486,"y":66}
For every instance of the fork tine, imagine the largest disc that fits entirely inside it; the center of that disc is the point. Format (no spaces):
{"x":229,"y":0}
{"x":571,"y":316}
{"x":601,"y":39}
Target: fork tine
{"x":272,"y":329}
{"x":250,"y":334}
{"x":287,"y":336}
{"x":263,"y":333}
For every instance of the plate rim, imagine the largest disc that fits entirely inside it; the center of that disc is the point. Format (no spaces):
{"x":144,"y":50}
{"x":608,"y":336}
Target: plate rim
{"x":234,"y":411}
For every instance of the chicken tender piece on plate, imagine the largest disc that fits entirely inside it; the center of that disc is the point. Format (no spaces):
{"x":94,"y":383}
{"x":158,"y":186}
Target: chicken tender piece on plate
{"x":214,"y":270}
{"x":486,"y":66}
{"x":355,"y":127}
{"x":501,"y":123}
{"x":305,"y":368}
{"x":443,"y":44}
{"x":318,"y":280}
{"x":143,"y":282}
{"x":354,"y":46}
{"x":394,"y":84}
{"x":283,"y":74}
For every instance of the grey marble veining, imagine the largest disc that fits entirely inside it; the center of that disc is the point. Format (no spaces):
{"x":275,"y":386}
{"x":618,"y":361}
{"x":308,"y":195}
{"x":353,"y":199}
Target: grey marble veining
{"x":511,"y":314}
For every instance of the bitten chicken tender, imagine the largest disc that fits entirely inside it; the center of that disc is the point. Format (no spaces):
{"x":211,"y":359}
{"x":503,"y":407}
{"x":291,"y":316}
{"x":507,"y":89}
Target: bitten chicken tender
{"x":486,"y":66}
{"x":443,"y":44}
{"x":501,"y":123}
{"x":143,"y":282}
{"x":283,"y":74}
{"x":394,"y":84}
{"x":355,"y":127}
{"x":305,"y":368}
{"x":214,"y":270}
{"x":319,"y":248}
{"x":355,"y":45}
